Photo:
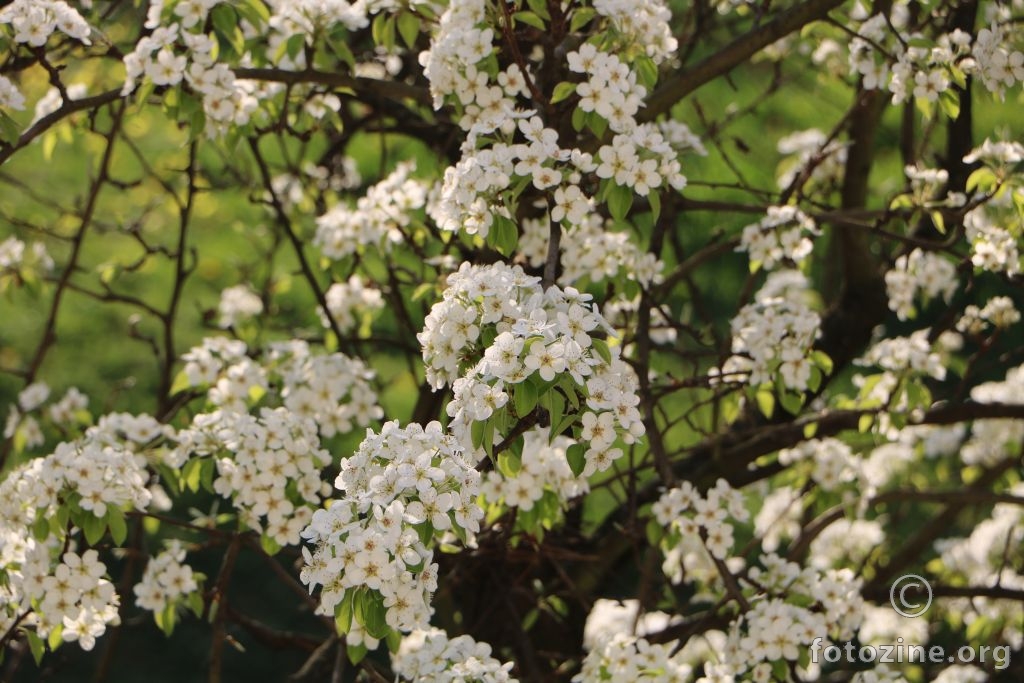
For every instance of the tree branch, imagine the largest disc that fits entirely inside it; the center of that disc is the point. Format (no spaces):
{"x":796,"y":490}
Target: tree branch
{"x":733,"y":54}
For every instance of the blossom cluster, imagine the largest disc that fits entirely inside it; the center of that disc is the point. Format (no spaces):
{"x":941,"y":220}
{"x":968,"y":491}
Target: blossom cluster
{"x":790,"y":605}
{"x":623,"y":658}
{"x":54,"y":99}
{"x":15,"y":258}
{"x":919,"y":272}
{"x":913,"y":355}
{"x":268,"y":462}
{"x":272,"y":474}
{"x":621,"y":313}
{"x":178,"y":50}
{"x":694,"y":520}
{"x":430,"y":656}
{"x":832,"y":461}
{"x":331,"y":389}
{"x":993,"y":247}
{"x":978,"y":560}
{"x":376,"y":220}
{"x":999,"y":312}
{"x":780,"y":236}
{"x":10,"y":96}
{"x":911,"y":65}
{"x":543,"y":471}
{"x":21,"y":424}
{"x":591,"y":250}
{"x":456,"y":47}
{"x":800,"y":605}
{"x":773,"y":336}
{"x":475,"y":191}
{"x":993,"y":441}
{"x":348,"y":302}
{"x":167,"y":581}
{"x":495,"y":327}
{"x":97,"y":476}
{"x":74,"y":598}
{"x":34,"y":21}
{"x":811,"y":153}
{"x":238,"y":304}
{"x":402,"y":492}
{"x":645,"y":24}
{"x":82,"y":485}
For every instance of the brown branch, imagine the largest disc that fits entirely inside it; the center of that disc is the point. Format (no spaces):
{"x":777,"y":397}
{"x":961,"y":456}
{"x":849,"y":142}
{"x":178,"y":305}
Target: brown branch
{"x":218,"y":600}
{"x":386,"y":90}
{"x":734,"y":54}
{"x":48,"y":121}
{"x":286,"y":224}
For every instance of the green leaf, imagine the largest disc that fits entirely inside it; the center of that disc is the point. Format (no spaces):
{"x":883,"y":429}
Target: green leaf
{"x":422,"y":291}
{"x":597,"y":124}
{"x":823,"y":361}
{"x":865,"y":422}
{"x":655,"y":201}
{"x":556,"y":411}
{"x":646,"y":71}
{"x":190,"y":474}
{"x":524,"y":398}
{"x":343,"y":612}
{"x":982,"y":179}
{"x":563,"y":91}
{"x":509,"y":464}
{"x":540,"y":7}
{"x":180,"y":383}
{"x":409,"y":28}
{"x":925,"y":106}
{"x":504,"y":236}
{"x":949,"y":100}
{"x":562,"y":425}
{"x":530,"y":19}
{"x":41,"y":528}
{"x":601,"y":347}
{"x":765,"y":402}
{"x":581,"y":18}
{"x":814,"y":381}
{"x":620,"y":199}
{"x":36,"y":645}
{"x":477,"y":433}
{"x":340,"y":48}
{"x":426,"y":532}
{"x":574,"y":454}
{"x":791,"y":402}
{"x":579,"y":118}
{"x":55,"y":638}
{"x":254,"y":11}
{"x":225,"y":26}
{"x":356,"y":653}
{"x":810,"y":429}
{"x":117,"y":525}
{"x":195,"y":603}
{"x":269,"y":545}
{"x":383,"y":31}
{"x":166,"y":618}
{"x":9,"y":131}
{"x":49,"y":143}
{"x":488,"y":441}
{"x":529,"y":620}
{"x":93,"y":527}
{"x":374,"y":615}
{"x":938,"y":221}
{"x":394,"y":638}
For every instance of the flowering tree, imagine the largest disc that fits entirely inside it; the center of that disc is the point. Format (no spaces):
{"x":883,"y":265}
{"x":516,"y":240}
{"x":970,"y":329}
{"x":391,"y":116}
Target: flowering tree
{"x":530,"y":339}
